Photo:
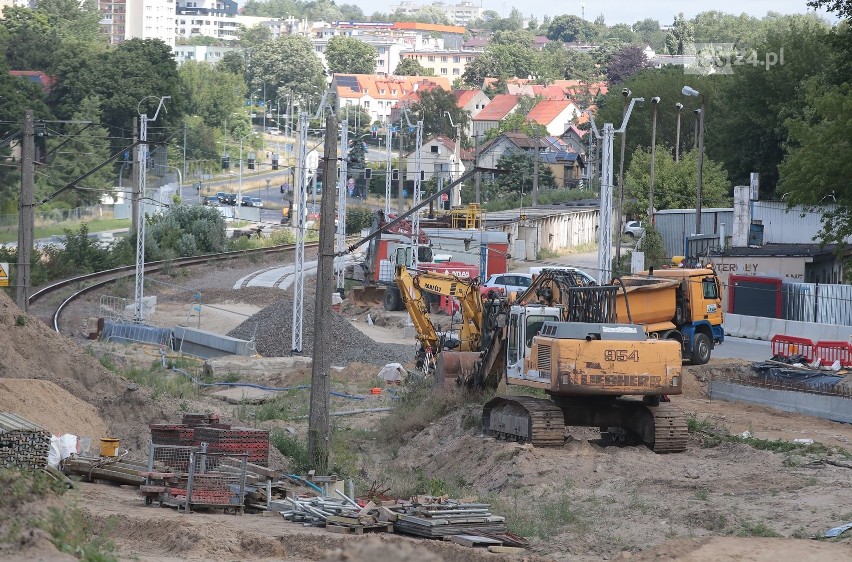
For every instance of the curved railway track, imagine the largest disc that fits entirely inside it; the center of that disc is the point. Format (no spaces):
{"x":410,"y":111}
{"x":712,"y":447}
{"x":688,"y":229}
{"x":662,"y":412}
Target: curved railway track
{"x":96,"y":280}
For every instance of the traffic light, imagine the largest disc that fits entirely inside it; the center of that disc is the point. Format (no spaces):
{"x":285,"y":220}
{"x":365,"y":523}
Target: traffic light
{"x":394,"y":174}
{"x":275,"y":161}
{"x":368,"y":173}
{"x":226,"y":162}
{"x":422,"y":175}
{"x":251,"y":161}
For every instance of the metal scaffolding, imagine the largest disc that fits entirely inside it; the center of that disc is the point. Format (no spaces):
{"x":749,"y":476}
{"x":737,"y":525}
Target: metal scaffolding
{"x":388,"y":169}
{"x":301,"y":212}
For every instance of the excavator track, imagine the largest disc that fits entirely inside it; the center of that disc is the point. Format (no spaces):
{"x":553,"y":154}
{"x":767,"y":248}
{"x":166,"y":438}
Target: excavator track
{"x":670,"y":431}
{"x":524,"y":419}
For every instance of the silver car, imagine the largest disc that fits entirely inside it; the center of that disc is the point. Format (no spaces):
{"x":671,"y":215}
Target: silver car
{"x":634,"y":229}
{"x":510,"y":282}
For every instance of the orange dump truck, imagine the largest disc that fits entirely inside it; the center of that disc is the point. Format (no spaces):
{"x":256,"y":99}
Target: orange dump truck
{"x":677,"y":304}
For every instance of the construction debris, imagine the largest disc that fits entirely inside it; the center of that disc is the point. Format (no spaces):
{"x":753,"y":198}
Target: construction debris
{"x":197,"y":429}
{"x":441,"y":517}
{"x":23,"y":444}
{"x":110,"y":469}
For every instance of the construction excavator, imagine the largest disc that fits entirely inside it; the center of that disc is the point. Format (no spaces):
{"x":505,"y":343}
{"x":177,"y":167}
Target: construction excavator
{"x":561,"y":337}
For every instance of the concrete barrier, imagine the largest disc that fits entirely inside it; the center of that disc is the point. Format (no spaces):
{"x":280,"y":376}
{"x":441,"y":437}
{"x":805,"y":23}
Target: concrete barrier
{"x":777,"y":327}
{"x":215,"y":341}
{"x":748,"y":327}
{"x":762,"y":328}
{"x":835,"y":408}
{"x":731,"y":324}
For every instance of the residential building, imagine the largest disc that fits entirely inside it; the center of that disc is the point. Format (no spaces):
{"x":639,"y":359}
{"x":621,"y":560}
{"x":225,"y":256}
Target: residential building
{"x":450,"y":64}
{"x":568,"y":167}
{"x":218,"y":25}
{"x":554,"y":115}
{"x":472,"y":101}
{"x":201,"y":53}
{"x":138,"y":19}
{"x":500,"y":107}
{"x":378,"y":95}
{"x":437,"y":156}
{"x":462,"y":13}
{"x":491,"y":152}
{"x":575,"y":139}
{"x":46,"y":81}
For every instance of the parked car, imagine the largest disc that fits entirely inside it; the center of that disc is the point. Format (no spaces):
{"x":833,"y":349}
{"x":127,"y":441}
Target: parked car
{"x":222,"y":197}
{"x":211,"y":201}
{"x":634,"y":229}
{"x":255,"y":202}
{"x":510,"y":282}
{"x":273,"y":130}
{"x":231,"y":199}
{"x":536,"y":270}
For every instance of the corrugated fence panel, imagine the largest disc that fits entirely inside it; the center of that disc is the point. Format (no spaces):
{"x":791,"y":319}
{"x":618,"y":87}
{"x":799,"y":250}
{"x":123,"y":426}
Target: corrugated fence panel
{"x":674,"y":225}
{"x":777,"y":220}
{"x":823,"y":303}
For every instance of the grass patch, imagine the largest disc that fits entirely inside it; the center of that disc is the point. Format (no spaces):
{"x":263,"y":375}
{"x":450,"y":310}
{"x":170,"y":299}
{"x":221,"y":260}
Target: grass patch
{"x":543,"y":517}
{"x":10,"y":234}
{"x":759,"y":529}
{"x":702,"y":495}
{"x":419,"y":405}
{"x":292,"y":448}
{"x":70,"y":529}
{"x":162,"y":382}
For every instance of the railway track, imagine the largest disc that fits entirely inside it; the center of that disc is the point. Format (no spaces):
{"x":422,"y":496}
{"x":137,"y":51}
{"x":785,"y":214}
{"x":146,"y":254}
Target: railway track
{"x":101,"y":278}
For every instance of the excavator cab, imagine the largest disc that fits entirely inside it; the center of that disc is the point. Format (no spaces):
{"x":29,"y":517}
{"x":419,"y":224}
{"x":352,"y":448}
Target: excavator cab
{"x":525,"y":322}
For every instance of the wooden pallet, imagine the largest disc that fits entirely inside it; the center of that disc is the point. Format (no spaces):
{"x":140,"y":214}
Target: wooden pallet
{"x":359,"y":529}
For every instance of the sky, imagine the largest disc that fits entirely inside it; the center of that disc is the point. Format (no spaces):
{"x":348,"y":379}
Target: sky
{"x":615,"y":11}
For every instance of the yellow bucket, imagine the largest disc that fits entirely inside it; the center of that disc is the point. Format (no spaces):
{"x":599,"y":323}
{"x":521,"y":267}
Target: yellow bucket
{"x":109,"y":447}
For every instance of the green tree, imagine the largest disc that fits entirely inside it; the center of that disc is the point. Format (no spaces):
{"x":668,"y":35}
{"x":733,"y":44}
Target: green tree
{"x":432,"y":109}
{"x":274,"y":8}
{"x":719,"y":27}
{"x":749,"y":134}
{"x":82,"y":149}
{"x":211,"y":92}
{"x":580,"y":66}
{"x":29,"y":40}
{"x":347,"y":55}
{"x":622,"y":32}
{"x":675,"y":183}
{"x":73,"y":19}
{"x":482,"y":67}
{"x":411,"y":67}
{"x":518,"y":178}
{"x":843,"y":8}
{"x":253,"y":36}
{"x":233,"y":62}
{"x":648,"y":32}
{"x":681,"y":38}
{"x":287,"y":63}
{"x":570,"y":29}
{"x":817,"y":168}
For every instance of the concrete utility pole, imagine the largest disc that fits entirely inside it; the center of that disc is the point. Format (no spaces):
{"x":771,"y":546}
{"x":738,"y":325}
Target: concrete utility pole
{"x":655,"y":101}
{"x":388,"y":168}
{"x":402,"y":169}
{"x":477,"y":177}
{"x":318,"y":426}
{"x":26,"y":217}
{"x":620,"y":203}
{"x":534,"y":195}
{"x":134,"y":171}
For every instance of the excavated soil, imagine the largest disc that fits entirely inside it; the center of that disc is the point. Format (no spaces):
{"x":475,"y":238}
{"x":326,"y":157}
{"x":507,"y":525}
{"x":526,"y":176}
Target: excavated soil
{"x":51,"y":407}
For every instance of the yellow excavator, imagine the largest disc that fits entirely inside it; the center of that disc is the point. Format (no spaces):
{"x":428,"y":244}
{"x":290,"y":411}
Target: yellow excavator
{"x":563,"y":338}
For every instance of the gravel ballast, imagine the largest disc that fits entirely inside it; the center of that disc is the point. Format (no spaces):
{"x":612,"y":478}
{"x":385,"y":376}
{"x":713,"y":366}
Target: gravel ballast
{"x":271,"y":329}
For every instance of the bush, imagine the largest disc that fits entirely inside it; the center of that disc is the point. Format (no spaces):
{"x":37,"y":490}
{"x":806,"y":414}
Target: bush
{"x":358,"y":217}
{"x":185,"y":231}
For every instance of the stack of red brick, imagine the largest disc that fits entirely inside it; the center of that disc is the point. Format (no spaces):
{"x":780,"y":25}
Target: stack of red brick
{"x":220,"y":438}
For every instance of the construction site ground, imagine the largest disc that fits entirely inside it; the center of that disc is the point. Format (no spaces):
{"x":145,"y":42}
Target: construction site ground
{"x":728,"y":499}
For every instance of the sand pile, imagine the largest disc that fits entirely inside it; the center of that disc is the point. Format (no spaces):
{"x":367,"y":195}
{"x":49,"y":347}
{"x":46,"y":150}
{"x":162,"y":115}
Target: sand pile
{"x":29,"y":349}
{"x":51,"y":407}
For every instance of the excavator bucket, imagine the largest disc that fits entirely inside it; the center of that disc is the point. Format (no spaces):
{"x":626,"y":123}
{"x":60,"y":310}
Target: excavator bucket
{"x":454,"y":369}
{"x":368,"y":295}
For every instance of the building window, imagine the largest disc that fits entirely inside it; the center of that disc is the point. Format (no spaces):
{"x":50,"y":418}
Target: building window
{"x":443,"y":59}
{"x":431,"y":59}
{"x":433,"y":149}
{"x":456,"y":59}
{"x":381,"y":62}
{"x":444,"y":71}
{"x":366,"y":103}
{"x":456,"y":72}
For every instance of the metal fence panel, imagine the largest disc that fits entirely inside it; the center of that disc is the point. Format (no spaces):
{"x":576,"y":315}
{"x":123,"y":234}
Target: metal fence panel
{"x":816,"y":302}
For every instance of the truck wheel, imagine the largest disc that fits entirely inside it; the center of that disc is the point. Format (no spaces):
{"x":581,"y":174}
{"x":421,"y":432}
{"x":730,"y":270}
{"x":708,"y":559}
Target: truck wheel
{"x":700,"y":350}
{"x":392,"y":300}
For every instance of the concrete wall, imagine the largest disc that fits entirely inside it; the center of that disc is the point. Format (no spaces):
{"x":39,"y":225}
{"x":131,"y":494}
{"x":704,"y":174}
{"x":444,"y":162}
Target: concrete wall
{"x":758,"y":328}
{"x":835,"y":408}
{"x":555,"y":233}
{"x":201,"y":339}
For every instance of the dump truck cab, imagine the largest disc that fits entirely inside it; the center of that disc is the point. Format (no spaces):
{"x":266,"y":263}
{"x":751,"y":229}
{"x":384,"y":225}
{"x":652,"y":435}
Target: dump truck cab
{"x":677,"y":303}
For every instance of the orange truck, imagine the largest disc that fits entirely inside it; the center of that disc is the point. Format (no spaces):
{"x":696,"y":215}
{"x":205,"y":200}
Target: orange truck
{"x":676,"y":304}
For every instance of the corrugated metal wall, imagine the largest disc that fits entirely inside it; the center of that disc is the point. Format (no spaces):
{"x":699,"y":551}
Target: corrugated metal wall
{"x":777,"y":220}
{"x":675,"y":224}
{"x":821,"y":303}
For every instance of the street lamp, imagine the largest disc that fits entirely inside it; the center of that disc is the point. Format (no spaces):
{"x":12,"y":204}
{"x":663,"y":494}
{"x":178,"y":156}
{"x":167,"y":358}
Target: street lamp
{"x":655,"y":101}
{"x":240,"y":184}
{"x":678,"y":106}
{"x":626,"y":93}
{"x":687,"y":91}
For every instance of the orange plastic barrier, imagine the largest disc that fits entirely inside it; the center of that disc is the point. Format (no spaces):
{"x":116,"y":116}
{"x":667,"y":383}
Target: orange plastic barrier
{"x":789,"y":346}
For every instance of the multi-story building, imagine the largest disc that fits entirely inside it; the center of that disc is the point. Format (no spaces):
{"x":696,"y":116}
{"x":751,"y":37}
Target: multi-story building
{"x":450,"y":64}
{"x":218,"y":26}
{"x":201,"y":53}
{"x":461,"y":13}
{"x":378,"y":95}
{"x":138,"y":19}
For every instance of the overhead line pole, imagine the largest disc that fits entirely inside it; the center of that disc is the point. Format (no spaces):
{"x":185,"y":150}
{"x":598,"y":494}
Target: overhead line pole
{"x":318,"y":424}
{"x":26,"y":216}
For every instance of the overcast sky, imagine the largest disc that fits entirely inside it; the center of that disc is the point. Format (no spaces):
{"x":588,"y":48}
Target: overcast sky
{"x":614,"y":11}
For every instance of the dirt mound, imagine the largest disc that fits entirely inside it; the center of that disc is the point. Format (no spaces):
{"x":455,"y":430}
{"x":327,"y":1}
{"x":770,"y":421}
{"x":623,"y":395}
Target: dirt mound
{"x":374,"y":548}
{"x":697,"y":377}
{"x":31,"y":350}
{"x":51,"y":407}
{"x":730,"y":549}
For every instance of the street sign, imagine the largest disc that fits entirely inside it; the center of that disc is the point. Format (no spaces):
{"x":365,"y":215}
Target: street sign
{"x":4,"y":274}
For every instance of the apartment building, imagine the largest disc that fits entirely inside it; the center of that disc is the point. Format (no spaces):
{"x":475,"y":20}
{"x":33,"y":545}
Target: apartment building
{"x":217,"y":25}
{"x":138,"y":19}
{"x":378,"y":95}
{"x":201,"y":53}
{"x":461,"y":13}
{"x":450,"y":64}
